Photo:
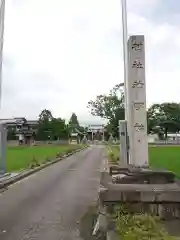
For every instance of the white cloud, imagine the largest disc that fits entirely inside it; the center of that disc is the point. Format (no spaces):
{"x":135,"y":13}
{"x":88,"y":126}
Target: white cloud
{"x":162,"y":59}
{"x":141,"y":6}
{"x":59,"y":54}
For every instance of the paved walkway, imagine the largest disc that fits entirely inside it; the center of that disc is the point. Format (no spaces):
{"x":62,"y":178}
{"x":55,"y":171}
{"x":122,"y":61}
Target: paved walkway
{"x":49,"y":204}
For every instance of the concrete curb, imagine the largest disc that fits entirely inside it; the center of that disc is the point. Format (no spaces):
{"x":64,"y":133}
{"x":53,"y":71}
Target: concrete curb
{"x":105,"y":166}
{"x":26,"y":173}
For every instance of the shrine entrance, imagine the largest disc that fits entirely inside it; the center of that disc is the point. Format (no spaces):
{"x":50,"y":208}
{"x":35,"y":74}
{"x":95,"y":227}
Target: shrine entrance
{"x":95,"y":132}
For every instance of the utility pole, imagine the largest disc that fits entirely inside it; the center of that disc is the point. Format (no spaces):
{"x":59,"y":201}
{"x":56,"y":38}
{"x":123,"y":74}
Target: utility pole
{"x":128,"y":134}
{"x":125,"y":51}
{"x":2,"y":126}
{"x":2,"y":13}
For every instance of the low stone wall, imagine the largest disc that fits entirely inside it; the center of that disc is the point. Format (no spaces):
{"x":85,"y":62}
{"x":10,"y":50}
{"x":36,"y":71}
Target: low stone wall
{"x":140,"y":190}
{"x":58,"y":142}
{"x":39,"y":143}
{"x":158,"y":143}
{"x":12,"y":143}
{"x":164,"y":144}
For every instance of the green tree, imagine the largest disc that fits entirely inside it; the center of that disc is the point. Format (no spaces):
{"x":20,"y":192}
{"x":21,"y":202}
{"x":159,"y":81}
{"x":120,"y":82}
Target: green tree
{"x":59,"y":129}
{"x":56,"y":128}
{"x":44,"y":125}
{"x":73,"y":123}
{"x":110,"y":107}
{"x":164,"y":117}
{"x":45,"y":115}
{"x":74,"y":120}
{"x":161,"y":118}
{"x":11,"y":133}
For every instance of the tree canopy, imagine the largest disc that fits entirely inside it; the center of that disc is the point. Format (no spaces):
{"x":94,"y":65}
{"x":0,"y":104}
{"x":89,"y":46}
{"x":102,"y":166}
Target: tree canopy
{"x":74,"y":120}
{"x":56,"y":128}
{"x":110,"y":107}
{"x":161,"y":118}
{"x":164,"y":117}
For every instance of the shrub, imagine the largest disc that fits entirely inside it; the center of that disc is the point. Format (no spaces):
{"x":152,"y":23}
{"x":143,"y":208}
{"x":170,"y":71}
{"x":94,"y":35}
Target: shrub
{"x":111,"y":157}
{"x":47,"y":159}
{"x":139,"y":226}
{"x":58,"y":155}
{"x":34,"y":163}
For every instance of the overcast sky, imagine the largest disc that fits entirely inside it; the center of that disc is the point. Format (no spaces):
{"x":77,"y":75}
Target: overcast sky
{"x":59,"y":54}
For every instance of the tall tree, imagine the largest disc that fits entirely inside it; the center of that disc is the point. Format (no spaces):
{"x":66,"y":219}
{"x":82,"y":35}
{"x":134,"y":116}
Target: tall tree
{"x":11,"y":133}
{"x":44,"y":125}
{"x":165,"y":117}
{"x":110,"y":107}
{"x":59,"y":129}
{"x":56,"y":128}
{"x":161,"y":118}
{"x":45,"y":115}
{"x":74,"y":120}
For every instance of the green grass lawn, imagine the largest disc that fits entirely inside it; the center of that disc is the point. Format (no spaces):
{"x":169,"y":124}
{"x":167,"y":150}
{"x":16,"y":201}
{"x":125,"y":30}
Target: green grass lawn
{"x":19,"y":158}
{"x":167,"y":157}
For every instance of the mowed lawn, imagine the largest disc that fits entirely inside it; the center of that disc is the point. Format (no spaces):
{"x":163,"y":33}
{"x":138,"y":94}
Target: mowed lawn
{"x":164,"y":157}
{"x":19,"y":158}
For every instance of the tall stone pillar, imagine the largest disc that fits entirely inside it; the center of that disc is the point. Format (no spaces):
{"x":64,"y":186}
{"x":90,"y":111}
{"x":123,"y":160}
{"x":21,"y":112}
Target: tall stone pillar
{"x":136,"y":94}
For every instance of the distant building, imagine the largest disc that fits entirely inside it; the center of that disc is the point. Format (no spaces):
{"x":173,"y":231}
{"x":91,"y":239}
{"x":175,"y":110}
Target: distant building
{"x":152,"y":138}
{"x":74,"y":138}
{"x":95,"y":132}
{"x":173,"y":136}
{"x":24,"y":130}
